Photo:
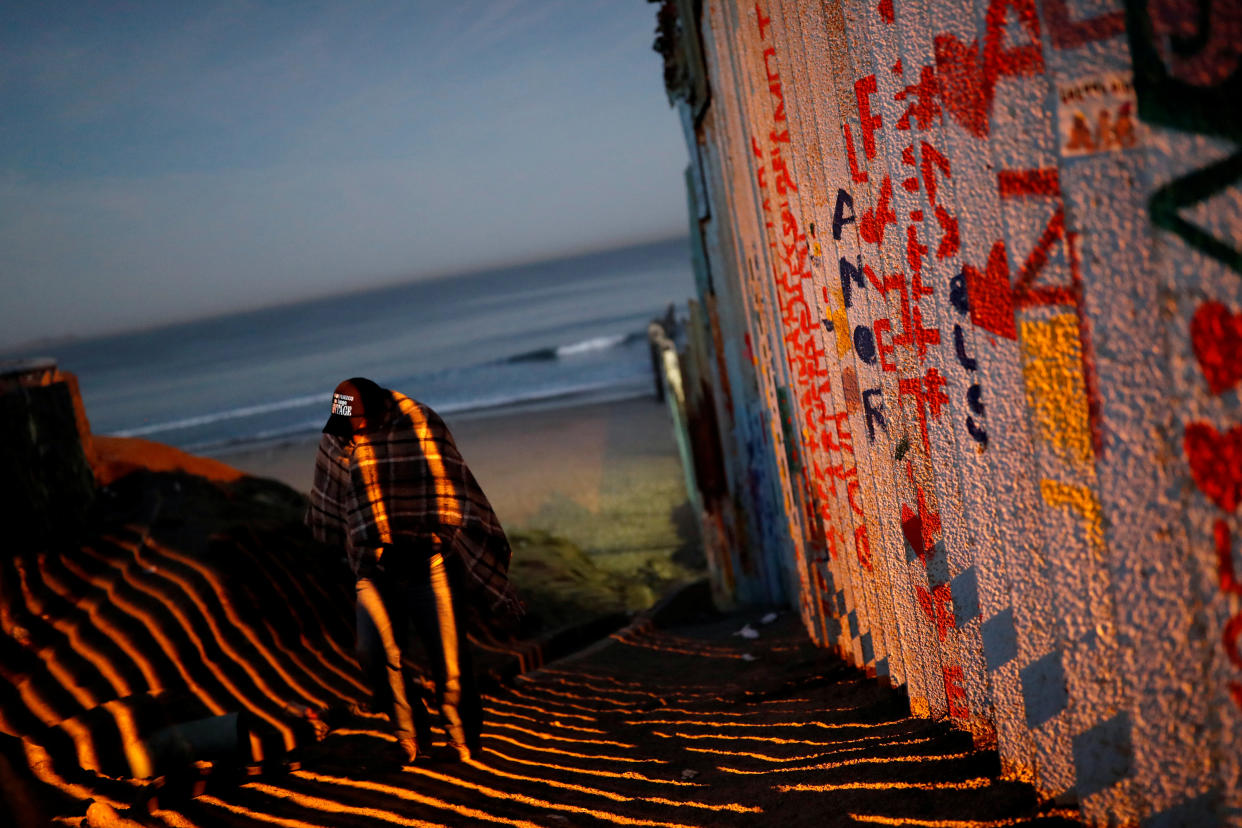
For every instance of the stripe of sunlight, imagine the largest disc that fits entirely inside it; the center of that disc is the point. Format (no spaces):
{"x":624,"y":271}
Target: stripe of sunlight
{"x":173,"y":819}
{"x":530,"y":656}
{"x":507,"y":714}
{"x":326,"y":600}
{"x":83,"y":743}
{"x":48,"y":658}
{"x":592,"y":772}
{"x":598,"y":757}
{"x":537,"y":709}
{"x":808,"y":757}
{"x":118,"y":636}
{"x":41,"y":765}
{"x":569,"y":739}
{"x":305,"y":643}
{"x":169,"y":650}
{"x":679,"y":651}
{"x":532,"y":682}
{"x":571,"y":705}
{"x":446,"y":503}
{"x":32,"y":697}
{"x":821,"y":725}
{"x":289,"y":822}
{"x":490,"y":643}
{"x":564,"y":694}
{"x":135,"y":750}
{"x":173,"y":606}
{"x":390,"y":738}
{"x":213,"y":581}
{"x":648,"y":633}
{"x":207,"y":661}
{"x":296,"y":658}
{"x":374,"y":734}
{"x":682,"y":697}
{"x":615,"y":797}
{"x":194,"y":595}
{"x":514,"y":796}
{"x":964,"y":785}
{"x":877,"y":819}
{"x":354,"y":731}
{"x":331,"y":806}
{"x":483,"y":637}
{"x":411,"y":796}
{"x":684,"y":711}
{"x":745,"y":697}
{"x":842,"y":763}
{"x":555,"y":671}
{"x":73,"y":633}
{"x":364,"y":456}
{"x":769,"y":739}
{"x":336,"y":670}
{"x":684,"y":692}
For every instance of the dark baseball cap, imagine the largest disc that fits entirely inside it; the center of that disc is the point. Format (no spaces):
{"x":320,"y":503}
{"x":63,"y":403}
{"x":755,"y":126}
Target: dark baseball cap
{"x":353,"y":400}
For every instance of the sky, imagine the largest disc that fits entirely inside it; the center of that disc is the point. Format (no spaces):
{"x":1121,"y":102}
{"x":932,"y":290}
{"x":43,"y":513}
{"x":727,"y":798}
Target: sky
{"x":163,"y":161}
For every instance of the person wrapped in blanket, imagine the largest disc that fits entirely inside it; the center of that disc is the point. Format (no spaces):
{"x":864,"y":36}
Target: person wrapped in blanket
{"x":429,"y":555}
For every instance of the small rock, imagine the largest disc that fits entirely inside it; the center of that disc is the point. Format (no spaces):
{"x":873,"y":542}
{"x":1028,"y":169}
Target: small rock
{"x":748,"y":657}
{"x":748,"y":632}
{"x":689,"y":773}
{"x":769,"y":618}
{"x":102,"y":815}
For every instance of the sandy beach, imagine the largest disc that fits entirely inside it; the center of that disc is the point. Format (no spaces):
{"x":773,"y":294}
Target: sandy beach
{"x":606,"y":477}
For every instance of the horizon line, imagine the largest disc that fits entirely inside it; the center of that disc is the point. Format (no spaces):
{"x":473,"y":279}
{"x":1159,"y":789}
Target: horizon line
{"x":14,"y":351}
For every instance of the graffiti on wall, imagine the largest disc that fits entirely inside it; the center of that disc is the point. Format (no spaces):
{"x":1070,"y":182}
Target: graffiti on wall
{"x":933,"y":304}
{"x":1188,"y":75}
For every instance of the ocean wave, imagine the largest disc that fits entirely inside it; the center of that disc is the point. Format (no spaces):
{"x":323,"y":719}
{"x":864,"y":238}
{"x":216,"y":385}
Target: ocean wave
{"x":567,"y":393}
{"x":596,"y":344}
{"x":543,"y":398}
{"x":585,"y":346}
{"x":219,"y":416}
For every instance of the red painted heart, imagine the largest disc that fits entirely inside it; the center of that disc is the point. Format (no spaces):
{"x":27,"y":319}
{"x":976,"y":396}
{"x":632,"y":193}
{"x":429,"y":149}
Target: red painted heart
{"x":1216,"y":335}
{"x":990,"y":294}
{"x":965,"y":85}
{"x":1216,"y":463}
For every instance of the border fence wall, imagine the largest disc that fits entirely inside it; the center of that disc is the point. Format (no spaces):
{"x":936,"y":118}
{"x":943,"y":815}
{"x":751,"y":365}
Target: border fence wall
{"x":967,"y":346}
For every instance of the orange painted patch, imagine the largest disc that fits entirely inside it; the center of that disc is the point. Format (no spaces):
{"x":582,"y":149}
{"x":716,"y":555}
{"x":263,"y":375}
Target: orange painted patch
{"x":116,"y":457}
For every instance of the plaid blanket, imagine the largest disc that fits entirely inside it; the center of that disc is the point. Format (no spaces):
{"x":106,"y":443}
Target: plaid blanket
{"x":401,"y":483}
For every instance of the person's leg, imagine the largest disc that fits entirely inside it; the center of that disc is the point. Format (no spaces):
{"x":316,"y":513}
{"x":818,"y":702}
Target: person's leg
{"x":376,"y":639}
{"x":369,"y":649}
{"x":470,"y":704}
{"x":395,"y":592}
{"x":433,"y":611}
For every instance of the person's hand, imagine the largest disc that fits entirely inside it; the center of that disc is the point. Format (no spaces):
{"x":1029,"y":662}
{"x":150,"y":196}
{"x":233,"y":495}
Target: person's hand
{"x":368,"y":563}
{"x":311,"y":717}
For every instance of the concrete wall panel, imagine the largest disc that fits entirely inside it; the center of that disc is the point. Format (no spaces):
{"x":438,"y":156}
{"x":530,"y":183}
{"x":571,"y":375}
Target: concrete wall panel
{"x":977,"y":326}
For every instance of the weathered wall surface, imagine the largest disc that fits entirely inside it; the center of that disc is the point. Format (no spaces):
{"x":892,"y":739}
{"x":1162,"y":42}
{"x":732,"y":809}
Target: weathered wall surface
{"x":971,"y":325}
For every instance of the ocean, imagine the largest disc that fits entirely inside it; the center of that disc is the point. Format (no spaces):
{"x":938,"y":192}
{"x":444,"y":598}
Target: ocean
{"x":556,"y":333}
